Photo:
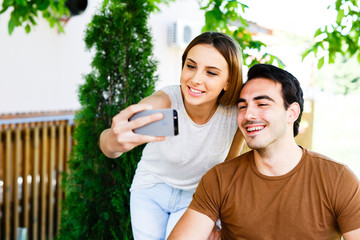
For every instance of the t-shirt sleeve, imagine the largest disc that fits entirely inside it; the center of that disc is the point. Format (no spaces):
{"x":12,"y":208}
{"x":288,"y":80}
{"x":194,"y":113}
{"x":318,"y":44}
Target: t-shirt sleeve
{"x":174,"y":93}
{"x":347,"y":201}
{"x":206,"y":199}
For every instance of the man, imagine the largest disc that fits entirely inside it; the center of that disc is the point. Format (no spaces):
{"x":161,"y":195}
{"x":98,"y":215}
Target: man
{"x":278,"y":190}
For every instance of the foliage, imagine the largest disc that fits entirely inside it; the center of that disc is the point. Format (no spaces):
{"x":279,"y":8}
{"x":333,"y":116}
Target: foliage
{"x":341,"y":77}
{"x":96,"y":204}
{"x":339,"y":43}
{"x":224,"y":16}
{"x":26,"y":11}
{"x":339,"y":38}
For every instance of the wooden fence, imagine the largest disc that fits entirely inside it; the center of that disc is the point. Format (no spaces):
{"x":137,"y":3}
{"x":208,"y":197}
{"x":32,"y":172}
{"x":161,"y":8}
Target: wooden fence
{"x":33,"y":156}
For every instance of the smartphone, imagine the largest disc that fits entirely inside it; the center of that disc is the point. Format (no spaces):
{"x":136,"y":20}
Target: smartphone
{"x":167,"y":126}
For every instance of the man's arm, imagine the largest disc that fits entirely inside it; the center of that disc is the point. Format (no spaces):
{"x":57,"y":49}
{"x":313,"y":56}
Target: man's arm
{"x":192,"y":225}
{"x":352,"y":235}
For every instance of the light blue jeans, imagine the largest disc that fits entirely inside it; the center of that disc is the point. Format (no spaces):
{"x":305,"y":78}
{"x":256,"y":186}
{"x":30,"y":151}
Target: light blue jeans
{"x":156,"y":210}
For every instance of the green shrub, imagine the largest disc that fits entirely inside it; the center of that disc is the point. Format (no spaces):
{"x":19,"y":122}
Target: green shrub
{"x":96,"y":204}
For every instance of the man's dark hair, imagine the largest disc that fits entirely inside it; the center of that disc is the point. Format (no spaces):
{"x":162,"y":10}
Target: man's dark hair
{"x":291,"y":89}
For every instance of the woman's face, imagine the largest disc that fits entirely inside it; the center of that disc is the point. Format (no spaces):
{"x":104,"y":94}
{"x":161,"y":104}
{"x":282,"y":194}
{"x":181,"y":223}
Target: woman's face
{"x":204,"y":75}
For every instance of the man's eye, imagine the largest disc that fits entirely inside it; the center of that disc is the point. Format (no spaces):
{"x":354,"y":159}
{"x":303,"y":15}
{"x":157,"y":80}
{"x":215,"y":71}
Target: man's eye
{"x":242,"y":107}
{"x":190,"y":66}
{"x":263,"y":104}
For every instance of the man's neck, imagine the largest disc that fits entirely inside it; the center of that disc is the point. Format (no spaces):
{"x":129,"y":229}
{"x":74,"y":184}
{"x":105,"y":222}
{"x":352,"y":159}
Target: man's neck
{"x":277,"y":161}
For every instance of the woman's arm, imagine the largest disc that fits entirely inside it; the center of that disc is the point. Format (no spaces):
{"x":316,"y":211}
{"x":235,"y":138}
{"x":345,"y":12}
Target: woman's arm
{"x":120,"y":137}
{"x":352,"y":235}
{"x":192,"y":225}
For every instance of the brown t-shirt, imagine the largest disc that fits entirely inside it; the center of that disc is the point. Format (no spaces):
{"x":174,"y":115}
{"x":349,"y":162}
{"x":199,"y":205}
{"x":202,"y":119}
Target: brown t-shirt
{"x":318,"y":199}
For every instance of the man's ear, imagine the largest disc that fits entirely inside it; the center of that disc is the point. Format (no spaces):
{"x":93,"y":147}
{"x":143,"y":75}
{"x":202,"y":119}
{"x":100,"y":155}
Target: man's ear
{"x":293,"y":112}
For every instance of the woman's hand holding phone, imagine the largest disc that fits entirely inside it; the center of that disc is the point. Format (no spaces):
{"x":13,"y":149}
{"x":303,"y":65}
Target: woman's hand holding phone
{"x":121,"y":136}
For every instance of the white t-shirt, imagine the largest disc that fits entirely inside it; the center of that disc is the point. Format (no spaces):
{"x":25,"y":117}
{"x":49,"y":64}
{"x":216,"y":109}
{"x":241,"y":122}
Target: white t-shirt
{"x":180,"y":161}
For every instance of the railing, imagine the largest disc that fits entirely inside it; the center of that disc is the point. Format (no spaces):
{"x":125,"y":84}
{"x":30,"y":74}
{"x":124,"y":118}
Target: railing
{"x":33,"y":156}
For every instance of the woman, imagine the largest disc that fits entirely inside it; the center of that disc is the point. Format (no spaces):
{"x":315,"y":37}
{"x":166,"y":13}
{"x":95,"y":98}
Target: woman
{"x":171,"y":167}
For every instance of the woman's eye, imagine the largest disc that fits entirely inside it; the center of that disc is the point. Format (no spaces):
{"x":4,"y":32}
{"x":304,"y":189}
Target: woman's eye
{"x":212,"y":73}
{"x":190,"y":66}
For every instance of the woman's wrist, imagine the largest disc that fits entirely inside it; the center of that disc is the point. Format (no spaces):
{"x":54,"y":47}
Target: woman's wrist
{"x":106,"y":143}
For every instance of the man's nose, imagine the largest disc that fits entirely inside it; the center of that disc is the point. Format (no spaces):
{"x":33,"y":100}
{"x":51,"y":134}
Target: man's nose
{"x":250,"y":113}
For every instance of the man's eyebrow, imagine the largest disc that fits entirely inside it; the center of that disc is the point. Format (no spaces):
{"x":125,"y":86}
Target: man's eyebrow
{"x":264,"y":97}
{"x":241,"y":100}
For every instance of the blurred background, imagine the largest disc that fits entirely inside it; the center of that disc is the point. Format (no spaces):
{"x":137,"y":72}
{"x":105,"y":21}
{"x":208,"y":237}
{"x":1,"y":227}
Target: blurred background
{"x":41,"y":71}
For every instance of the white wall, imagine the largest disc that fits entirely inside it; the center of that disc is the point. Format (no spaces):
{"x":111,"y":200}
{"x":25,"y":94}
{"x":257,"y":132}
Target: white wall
{"x":41,"y":71}
{"x":169,"y":57}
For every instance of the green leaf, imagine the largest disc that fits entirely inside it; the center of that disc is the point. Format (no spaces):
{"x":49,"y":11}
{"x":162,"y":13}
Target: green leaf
{"x":338,"y":4}
{"x":307,"y":52}
{"x":4,"y":9}
{"x":318,"y":32}
{"x":320,"y":63}
{"x":61,"y":29}
{"x":355,"y":80}
{"x":7,"y":3}
{"x":340,"y":16}
{"x":42,"y":5}
{"x":52,"y":22}
{"x":21,"y":2}
{"x":27,"y":28}
{"x":46,"y":14}
{"x":358,"y":57}
{"x":332,"y":57}
{"x":32,"y":20}
{"x":243,"y":7}
{"x":315,"y":49}
{"x":11,"y":26}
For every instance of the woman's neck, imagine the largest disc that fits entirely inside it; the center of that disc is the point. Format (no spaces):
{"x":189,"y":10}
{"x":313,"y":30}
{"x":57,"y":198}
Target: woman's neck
{"x":201,"y":114}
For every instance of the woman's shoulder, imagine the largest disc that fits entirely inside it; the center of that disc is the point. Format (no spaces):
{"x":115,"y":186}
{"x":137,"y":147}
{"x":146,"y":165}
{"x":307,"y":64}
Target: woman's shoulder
{"x":174,"y":93}
{"x":171,"y":89}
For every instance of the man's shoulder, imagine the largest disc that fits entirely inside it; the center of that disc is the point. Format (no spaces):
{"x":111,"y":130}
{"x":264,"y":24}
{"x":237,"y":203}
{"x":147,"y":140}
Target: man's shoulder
{"x":227,"y":173}
{"x":322,"y":160}
{"x":235,"y":164}
{"x":331,"y":168}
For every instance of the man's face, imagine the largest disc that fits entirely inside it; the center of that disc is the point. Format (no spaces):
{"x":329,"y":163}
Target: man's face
{"x":262,"y":117}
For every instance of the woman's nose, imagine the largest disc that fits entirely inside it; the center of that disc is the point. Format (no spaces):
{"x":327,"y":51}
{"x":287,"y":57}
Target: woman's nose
{"x":197,"y":78}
